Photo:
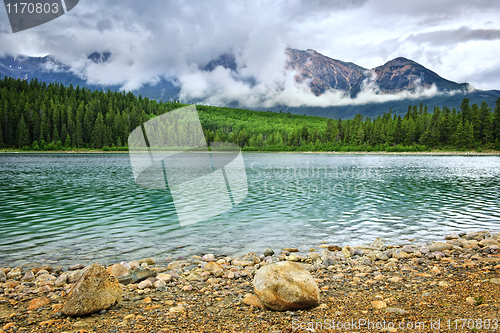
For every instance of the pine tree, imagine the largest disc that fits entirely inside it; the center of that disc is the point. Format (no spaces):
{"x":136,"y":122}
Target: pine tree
{"x":496,"y":120}
{"x":98,"y":132}
{"x":468,"y":134}
{"x":457,"y":137}
{"x":22,"y":133}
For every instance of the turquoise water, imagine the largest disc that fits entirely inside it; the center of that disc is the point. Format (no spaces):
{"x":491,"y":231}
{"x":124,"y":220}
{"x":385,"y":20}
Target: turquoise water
{"x":70,"y":208}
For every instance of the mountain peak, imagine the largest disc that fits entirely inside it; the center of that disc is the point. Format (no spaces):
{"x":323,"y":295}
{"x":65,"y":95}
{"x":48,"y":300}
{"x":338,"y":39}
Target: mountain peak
{"x":99,"y":58}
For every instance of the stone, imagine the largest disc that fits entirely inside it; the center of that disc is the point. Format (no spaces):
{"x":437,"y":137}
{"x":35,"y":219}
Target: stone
{"x":45,"y":279}
{"x":268,"y":252}
{"x":251,"y":257}
{"x":76,"y":267}
{"x":243,"y":263}
{"x":133,"y":264}
{"x":395,"y":310}
{"x":314,"y":256}
{"x":378,"y":245}
{"x":408,"y":249}
{"x":74,"y":275}
{"x":61,"y":280}
{"x":28,"y":277}
{"x":208,"y":257}
{"x":495,"y":280}
{"x":395,"y":279}
{"x":286,"y":286}
{"x":452,"y":236}
{"x":145,"y":284}
{"x":346,"y":251}
{"x":379,"y":305}
{"x":96,"y":290}
{"x":470,"y":301}
{"x":3,"y":277}
{"x":148,"y":261}
{"x":117,"y":270}
{"x":291,"y":250}
{"x":38,"y":303}
{"x":439,"y":246}
{"x":177,"y":309}
{"x":141,"y":273}
{"x":164,"y":277}
{"x":443,"y":284}
{"x":489,"y":242}
{"x":15,"y":273}
{"x":334,"y":248}
{"x":253,"y":300}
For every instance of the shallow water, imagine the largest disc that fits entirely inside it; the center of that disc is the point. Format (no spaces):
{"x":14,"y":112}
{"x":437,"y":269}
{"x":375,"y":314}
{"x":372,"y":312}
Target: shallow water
{"x":70,"y":208}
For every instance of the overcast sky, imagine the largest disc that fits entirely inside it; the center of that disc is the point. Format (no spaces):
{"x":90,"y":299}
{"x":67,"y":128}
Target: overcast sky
{"x":460,"y":40}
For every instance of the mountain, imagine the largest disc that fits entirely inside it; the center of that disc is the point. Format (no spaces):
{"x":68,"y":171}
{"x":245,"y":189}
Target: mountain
{"x":320,"y":72}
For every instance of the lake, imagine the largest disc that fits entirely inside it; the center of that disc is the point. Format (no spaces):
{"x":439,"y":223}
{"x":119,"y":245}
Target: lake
{"x":81,"y":208}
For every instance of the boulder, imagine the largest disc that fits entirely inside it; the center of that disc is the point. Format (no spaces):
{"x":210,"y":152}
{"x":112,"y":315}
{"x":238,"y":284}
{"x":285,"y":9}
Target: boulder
{"x":96,"y":290}
{"x":286,"y":286}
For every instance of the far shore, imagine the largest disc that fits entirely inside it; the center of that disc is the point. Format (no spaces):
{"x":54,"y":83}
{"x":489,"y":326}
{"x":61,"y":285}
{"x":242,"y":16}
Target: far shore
{"x":432,"y":153}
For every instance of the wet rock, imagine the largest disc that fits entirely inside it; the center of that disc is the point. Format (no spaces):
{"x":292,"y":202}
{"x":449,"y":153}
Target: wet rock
{"x":334,"y":248}
{"x":3,"y":277}
{"x":251,"y":257}
{"x":452,"y":236}
{"x":291,"y":250}
{"x":140,"y":274}
{"x":148,"y":261}
{"x":15,"y":273}
{"x":268,"y":252}
{"x":489,"y":242}
{"x":28,"y":277}
{"x":286,"y":286}
{"x":134,"y":264}
{"x":76,"y":267}
{"x":408,"y":249}
{"x":96,"y":290}
{"x":439,"y":246}
{"x":378,"y":245}
{"x":208,"y":257}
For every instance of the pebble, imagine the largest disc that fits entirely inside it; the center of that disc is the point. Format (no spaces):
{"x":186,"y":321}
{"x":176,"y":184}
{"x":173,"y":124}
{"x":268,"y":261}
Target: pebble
{"x":268,"y":252}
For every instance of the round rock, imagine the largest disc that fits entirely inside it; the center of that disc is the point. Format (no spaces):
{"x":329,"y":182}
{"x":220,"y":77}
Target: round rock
{"x":286,"y":286}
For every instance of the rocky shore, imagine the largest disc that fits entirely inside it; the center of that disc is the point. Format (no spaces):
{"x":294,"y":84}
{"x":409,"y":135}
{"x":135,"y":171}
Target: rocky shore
{"x":447,"y":286}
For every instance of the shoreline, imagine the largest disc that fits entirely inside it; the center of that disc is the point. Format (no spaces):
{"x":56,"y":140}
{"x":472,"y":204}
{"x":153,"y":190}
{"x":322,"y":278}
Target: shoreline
{"x":422,"y":153}
{"x":427,"y":283}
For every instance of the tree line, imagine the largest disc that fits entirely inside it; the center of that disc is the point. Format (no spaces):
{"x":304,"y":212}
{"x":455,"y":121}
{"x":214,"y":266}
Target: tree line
{"x":39,"y":116}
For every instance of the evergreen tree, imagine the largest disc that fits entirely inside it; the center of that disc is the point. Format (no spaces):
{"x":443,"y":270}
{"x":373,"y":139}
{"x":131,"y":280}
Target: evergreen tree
{"x":98,"y":134}
{"x":22,"y":133}
{"x":496,"y":121}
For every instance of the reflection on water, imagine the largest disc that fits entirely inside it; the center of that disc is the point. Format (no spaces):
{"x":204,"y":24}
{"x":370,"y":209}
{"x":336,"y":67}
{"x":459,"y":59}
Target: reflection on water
{"x":86,"y":207}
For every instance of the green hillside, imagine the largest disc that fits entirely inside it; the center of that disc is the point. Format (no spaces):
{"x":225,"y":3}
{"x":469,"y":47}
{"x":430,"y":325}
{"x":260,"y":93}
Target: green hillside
{"x":39,"y":116}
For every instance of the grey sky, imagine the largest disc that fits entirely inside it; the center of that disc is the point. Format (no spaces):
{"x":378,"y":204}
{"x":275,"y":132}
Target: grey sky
{"x":460,"y":40}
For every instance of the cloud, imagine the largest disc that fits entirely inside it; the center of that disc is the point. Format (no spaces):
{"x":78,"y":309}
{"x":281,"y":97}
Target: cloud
{"x":452,"y":37}
{"x":224,"y":87}
{"x":172,"y":39}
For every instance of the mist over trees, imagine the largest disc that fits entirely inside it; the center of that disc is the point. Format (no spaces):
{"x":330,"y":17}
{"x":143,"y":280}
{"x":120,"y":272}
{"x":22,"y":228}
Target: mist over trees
{"x":39,"y":116}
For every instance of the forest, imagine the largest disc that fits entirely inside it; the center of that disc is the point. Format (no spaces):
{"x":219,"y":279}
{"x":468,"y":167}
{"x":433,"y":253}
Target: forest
{"x":36,"y":116}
